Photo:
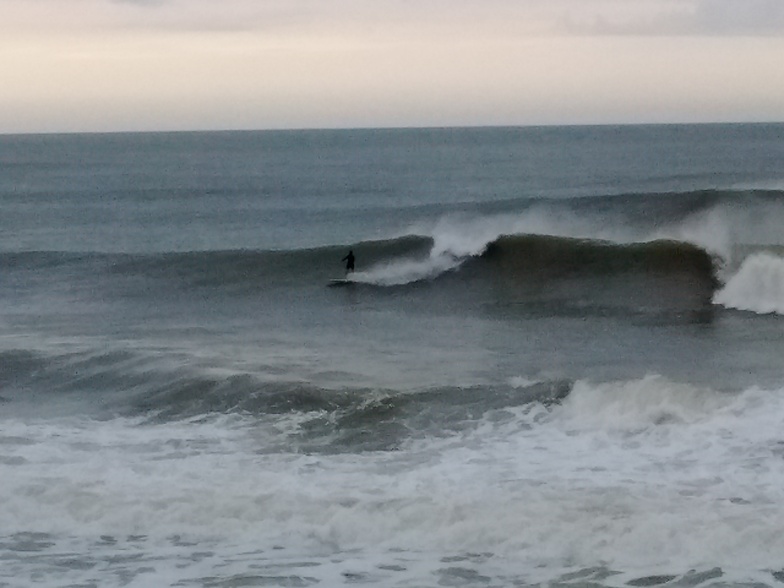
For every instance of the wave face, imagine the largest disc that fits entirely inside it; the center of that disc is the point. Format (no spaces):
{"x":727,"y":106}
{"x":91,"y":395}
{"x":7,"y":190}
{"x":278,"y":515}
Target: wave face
{"x":558,"y":256}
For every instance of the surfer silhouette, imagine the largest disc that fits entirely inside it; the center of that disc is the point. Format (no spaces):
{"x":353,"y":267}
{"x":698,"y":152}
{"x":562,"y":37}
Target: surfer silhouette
{"x":349,"y":259}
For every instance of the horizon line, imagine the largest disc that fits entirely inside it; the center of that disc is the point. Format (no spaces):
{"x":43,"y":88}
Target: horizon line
{"x":389,"y":128}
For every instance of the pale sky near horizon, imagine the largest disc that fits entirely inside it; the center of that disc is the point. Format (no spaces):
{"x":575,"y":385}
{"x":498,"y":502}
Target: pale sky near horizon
{"x":127,"y":65}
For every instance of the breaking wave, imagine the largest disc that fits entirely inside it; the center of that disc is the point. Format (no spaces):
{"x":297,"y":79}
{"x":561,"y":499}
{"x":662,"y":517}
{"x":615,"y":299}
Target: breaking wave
{"x":758,"y":286}
{"x":693,"y":238}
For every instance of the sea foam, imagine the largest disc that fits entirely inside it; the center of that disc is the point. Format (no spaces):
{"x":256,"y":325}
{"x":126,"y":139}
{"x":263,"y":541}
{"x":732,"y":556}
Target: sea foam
{"x":529,"y":493}
{"x":758,"y":286}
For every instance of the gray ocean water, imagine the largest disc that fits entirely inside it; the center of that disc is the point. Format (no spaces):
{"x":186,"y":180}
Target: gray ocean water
{"x":558,"y":361}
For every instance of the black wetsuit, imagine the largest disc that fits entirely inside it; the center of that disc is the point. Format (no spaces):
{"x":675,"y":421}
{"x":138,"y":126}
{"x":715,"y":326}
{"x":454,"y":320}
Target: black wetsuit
{"x":349,"y":259}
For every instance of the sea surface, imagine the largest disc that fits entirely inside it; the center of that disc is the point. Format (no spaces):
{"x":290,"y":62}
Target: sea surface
{"x":559,"y":362}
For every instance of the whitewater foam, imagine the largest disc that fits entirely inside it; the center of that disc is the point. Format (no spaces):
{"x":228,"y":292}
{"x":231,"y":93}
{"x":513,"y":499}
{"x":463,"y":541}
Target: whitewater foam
{"x":638,"y":404}
{"x":408,"y":271}
{"x":758,"y":286}
{"x":631,"y":476}
{"x":455,"y":238}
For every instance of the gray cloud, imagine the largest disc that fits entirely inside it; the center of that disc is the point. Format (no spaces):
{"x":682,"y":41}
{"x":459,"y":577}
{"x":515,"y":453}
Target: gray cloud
{"x":740,"y":16}
{"x":458,"y":18}
{"x":679,"y":17}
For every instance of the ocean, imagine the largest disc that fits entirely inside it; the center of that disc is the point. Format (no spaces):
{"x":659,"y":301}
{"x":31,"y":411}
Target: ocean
{"x":559,"y":361}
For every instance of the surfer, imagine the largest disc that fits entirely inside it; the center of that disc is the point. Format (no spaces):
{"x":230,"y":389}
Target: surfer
{"x":349,"y":259}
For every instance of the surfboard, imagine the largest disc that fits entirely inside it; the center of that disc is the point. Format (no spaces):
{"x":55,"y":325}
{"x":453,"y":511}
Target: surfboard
{"x":341,"y":282}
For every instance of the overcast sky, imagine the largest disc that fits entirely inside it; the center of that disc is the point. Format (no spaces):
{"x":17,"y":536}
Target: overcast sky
{"x":106,"y":65}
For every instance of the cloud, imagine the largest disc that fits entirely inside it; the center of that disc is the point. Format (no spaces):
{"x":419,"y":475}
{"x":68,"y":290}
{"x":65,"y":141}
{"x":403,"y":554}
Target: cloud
{"x":726,"y":18}
{"x":754,"y":17}
{"x":186,"y":64}
{"x":469,"y":18}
